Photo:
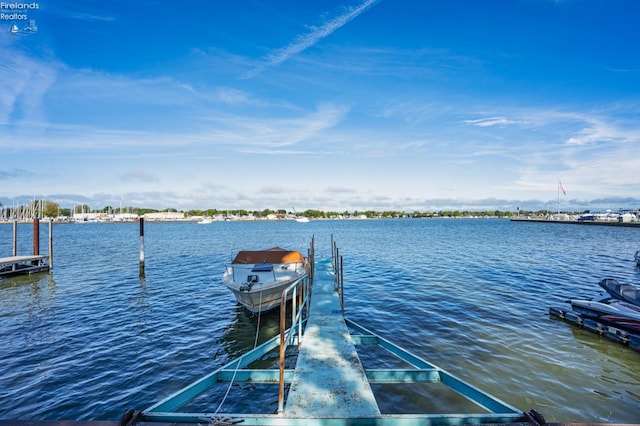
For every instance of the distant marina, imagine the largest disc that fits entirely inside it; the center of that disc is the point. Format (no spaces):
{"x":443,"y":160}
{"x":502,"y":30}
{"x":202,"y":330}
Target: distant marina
{"x":627,"y":218}
{"x":26,"y":214}
{"x":82,"y":218}
{"x":48,"y":211}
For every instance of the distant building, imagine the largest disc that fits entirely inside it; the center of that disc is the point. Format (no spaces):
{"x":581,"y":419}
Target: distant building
{"x":88,"y":217}
{"x":163,"y":216}
{"x":125,"y":217}
{"x":627,"y":217}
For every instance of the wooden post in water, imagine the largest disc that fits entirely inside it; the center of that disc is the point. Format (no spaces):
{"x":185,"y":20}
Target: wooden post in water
{"x":15,"y":242}
{"x":36,"y":236}
{"x":15,"y":238}
{"x":336,"y":267}
{"x":141,"y":247}
{"x":341,"y":285}
{"x":50,"y":244}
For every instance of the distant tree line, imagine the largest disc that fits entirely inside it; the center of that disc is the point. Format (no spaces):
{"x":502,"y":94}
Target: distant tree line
{"x":52,"y":209}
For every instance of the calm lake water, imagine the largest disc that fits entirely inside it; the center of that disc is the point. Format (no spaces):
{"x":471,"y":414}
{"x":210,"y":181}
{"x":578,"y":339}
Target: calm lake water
{"x":92,"y":339}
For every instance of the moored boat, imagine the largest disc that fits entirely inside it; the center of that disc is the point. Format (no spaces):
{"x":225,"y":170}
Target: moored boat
{"x":258,"y":277}
{"x":610,"y":311}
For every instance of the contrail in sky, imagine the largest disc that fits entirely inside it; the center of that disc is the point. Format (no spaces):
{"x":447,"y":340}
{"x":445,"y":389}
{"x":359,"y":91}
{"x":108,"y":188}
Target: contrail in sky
{"x":305,"y":41}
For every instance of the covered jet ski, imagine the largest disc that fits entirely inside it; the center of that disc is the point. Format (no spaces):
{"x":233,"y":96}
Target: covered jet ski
{"x":626,"y":292}
{"x":619,"y":306}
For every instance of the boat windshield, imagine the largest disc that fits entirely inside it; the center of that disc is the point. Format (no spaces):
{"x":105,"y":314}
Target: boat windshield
{"x":262,"y":267}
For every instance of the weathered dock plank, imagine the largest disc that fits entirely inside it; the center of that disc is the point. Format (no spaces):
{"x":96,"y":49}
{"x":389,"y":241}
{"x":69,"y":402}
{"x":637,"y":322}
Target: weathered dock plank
{"x":14,"y":265}
{"x":15,"y":259}
{"x":329,"y":380}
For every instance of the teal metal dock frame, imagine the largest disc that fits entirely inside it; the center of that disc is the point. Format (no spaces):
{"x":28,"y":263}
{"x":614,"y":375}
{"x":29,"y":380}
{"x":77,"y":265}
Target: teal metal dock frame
{"x":329,"y":385}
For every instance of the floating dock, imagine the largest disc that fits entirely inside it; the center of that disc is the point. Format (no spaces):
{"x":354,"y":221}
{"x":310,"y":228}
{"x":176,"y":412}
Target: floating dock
{"x":577,"y":222}
{"x":15,"y":265}
{"x":329,"y":385}
{"x":28,"y":264}
{"x":614,"y":334}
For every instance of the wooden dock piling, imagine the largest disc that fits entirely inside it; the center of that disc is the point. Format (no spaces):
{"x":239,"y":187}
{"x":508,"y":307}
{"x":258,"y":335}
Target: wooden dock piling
{"x":141,"y":248}
{"x":36,"y":236}
{"x":50,"y":244}
{"x":15,"y":238}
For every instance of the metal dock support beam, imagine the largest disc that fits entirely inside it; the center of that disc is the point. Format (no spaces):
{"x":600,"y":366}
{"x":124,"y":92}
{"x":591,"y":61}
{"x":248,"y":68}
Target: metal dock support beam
{"x":425,"y":372}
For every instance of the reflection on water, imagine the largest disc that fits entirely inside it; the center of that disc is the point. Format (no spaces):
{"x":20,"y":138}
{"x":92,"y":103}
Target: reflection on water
{"x":247,"y":330}
{"x":33,"y":298}
{"x":93,"y":339}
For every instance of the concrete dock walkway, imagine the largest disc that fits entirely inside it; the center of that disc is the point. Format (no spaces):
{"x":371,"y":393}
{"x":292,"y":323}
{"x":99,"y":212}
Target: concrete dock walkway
{"x":329,"y":380}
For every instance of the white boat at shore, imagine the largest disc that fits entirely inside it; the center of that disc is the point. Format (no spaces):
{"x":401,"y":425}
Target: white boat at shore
{"x":299,"y":219}
{"x":257,"y":278}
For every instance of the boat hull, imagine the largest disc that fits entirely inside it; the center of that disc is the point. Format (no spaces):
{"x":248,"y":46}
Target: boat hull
{"x":259,"y":286}
{"x":615,"y":313}
{"x":262,"y":298}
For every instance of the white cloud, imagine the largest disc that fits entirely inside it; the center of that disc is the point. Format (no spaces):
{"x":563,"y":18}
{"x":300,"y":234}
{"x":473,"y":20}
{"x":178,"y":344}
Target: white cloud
{"x":91,"y":17}
{"x":134,"y":176}
{"x":599,"y":130}
{"x":316,"y":34}
{"x":29,"y":81}
{"x":232,"y":96}
{"x":276,"y":132}
{"x":489,"y":122}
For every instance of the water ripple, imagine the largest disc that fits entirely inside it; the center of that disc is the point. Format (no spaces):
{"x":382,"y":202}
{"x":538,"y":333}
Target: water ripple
{"x":92,"y":339}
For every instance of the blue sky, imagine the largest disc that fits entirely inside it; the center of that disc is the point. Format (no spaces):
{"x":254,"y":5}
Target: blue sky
{"x":332,"y":105}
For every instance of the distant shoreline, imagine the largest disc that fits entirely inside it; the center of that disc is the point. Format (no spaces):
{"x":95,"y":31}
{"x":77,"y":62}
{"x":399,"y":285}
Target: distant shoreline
{"x":634,"y":224}
{"x":578,"y":222}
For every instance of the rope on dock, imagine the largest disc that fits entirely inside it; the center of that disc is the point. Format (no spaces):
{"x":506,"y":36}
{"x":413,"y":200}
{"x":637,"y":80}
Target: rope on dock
{"x":255,"y":342}
{"x":221,"y":420}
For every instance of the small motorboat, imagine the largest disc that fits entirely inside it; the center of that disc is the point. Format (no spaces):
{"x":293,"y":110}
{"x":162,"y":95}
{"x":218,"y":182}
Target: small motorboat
{"x":257,"y":278}
{"x":636,"y":257}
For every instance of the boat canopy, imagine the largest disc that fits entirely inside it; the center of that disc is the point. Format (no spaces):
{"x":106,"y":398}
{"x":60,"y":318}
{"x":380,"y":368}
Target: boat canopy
{"x":272,"y":255}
